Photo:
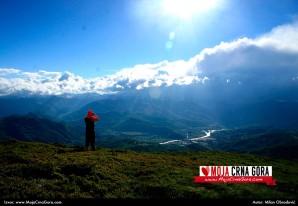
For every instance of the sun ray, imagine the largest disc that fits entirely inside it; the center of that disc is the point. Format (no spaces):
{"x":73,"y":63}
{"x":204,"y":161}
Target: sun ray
{"x":187,"y":8}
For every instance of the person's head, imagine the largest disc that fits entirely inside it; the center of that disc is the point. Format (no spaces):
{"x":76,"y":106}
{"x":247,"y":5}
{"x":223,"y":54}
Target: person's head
{"x":90,"y":112}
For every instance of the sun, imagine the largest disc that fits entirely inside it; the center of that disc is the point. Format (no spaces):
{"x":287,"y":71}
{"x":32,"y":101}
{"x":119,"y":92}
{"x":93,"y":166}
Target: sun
{"x":185,"y":9}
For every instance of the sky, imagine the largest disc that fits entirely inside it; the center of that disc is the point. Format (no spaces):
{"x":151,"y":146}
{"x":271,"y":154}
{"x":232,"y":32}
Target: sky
{"x":58,"y":46}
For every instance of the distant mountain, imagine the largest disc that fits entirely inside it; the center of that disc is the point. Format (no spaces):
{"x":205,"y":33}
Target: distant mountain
{"x":277,"y":113}
{"x":139,"y":120}
{"x":138,"y":133}
{"x":179,"y":117}
{"x":51,"y":106}
{"x":163,"y":119}
{"x":267,"y":141}
{"x":182,"y":108}
{"x":32,"y":128}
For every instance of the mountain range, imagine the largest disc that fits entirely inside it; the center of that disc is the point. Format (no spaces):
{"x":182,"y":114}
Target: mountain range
{"x":136,"y":120}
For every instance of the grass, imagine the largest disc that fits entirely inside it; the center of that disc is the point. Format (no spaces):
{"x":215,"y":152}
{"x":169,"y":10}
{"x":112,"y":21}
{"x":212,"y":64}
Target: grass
{"x":55,"y":171}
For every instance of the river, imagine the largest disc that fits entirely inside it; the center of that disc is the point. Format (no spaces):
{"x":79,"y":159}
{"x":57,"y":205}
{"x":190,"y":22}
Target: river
{"x":208,"y":134}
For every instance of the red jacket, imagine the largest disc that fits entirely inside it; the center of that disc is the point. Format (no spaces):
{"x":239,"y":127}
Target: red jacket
{"x":92,"y":116}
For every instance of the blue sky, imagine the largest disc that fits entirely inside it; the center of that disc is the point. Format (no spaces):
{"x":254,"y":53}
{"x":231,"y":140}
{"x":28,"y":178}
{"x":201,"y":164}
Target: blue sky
{"x":57,"y":47}
{"x":92,"y":38}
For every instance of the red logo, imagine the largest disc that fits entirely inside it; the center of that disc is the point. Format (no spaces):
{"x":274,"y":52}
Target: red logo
{"x":205,"y":170}
{"x":235,"y":174}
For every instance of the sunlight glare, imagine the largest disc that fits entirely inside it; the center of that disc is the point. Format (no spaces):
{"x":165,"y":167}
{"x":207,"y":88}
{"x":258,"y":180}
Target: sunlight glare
{"x":185,"y":9}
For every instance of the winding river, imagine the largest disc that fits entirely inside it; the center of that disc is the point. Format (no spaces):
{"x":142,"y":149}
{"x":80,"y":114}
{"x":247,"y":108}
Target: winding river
{"x":208,"y":134}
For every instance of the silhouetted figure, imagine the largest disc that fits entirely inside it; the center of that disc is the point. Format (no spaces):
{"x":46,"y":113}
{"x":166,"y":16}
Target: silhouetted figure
{"x":90,"y":118}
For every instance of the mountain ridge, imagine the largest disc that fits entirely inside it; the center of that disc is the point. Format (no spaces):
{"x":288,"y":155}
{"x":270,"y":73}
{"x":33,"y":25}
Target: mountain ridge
{"x":31,"y":127}
{"x":262,"y":140}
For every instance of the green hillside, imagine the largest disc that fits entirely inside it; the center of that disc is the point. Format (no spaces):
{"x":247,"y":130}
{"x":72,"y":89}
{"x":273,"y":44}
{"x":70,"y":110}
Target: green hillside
{"x":32,"y":170}
{"x":32,"y":128}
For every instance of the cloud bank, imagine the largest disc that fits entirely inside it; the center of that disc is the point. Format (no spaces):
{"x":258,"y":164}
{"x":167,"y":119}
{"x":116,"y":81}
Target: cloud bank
{"x":270,"y":59}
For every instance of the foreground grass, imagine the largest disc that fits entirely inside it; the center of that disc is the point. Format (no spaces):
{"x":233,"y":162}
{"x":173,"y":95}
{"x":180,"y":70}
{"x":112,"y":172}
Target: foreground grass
{"x":39,"y":170}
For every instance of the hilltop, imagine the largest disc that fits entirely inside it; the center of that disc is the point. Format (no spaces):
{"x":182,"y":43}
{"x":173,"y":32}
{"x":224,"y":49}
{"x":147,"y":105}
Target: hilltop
{"x":34,"y":170}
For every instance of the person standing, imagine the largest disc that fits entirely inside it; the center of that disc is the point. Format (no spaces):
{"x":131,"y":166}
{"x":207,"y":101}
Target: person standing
{"x":90,"y":119}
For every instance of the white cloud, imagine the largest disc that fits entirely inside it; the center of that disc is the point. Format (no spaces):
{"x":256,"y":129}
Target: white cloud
{"x":270,"y":58}
{"x":8,"y":71}
{"x":282,"y":37}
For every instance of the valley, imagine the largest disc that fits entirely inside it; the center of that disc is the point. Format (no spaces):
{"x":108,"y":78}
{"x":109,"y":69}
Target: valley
{"x":164,"y":124}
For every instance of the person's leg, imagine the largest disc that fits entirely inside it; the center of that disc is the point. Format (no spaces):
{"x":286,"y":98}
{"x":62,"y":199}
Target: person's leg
{"x":92,"y":141}
{"x":87,"y":141}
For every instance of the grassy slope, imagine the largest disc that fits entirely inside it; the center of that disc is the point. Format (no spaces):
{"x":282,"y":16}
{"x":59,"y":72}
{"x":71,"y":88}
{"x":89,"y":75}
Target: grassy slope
{"x":51,"y":171}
